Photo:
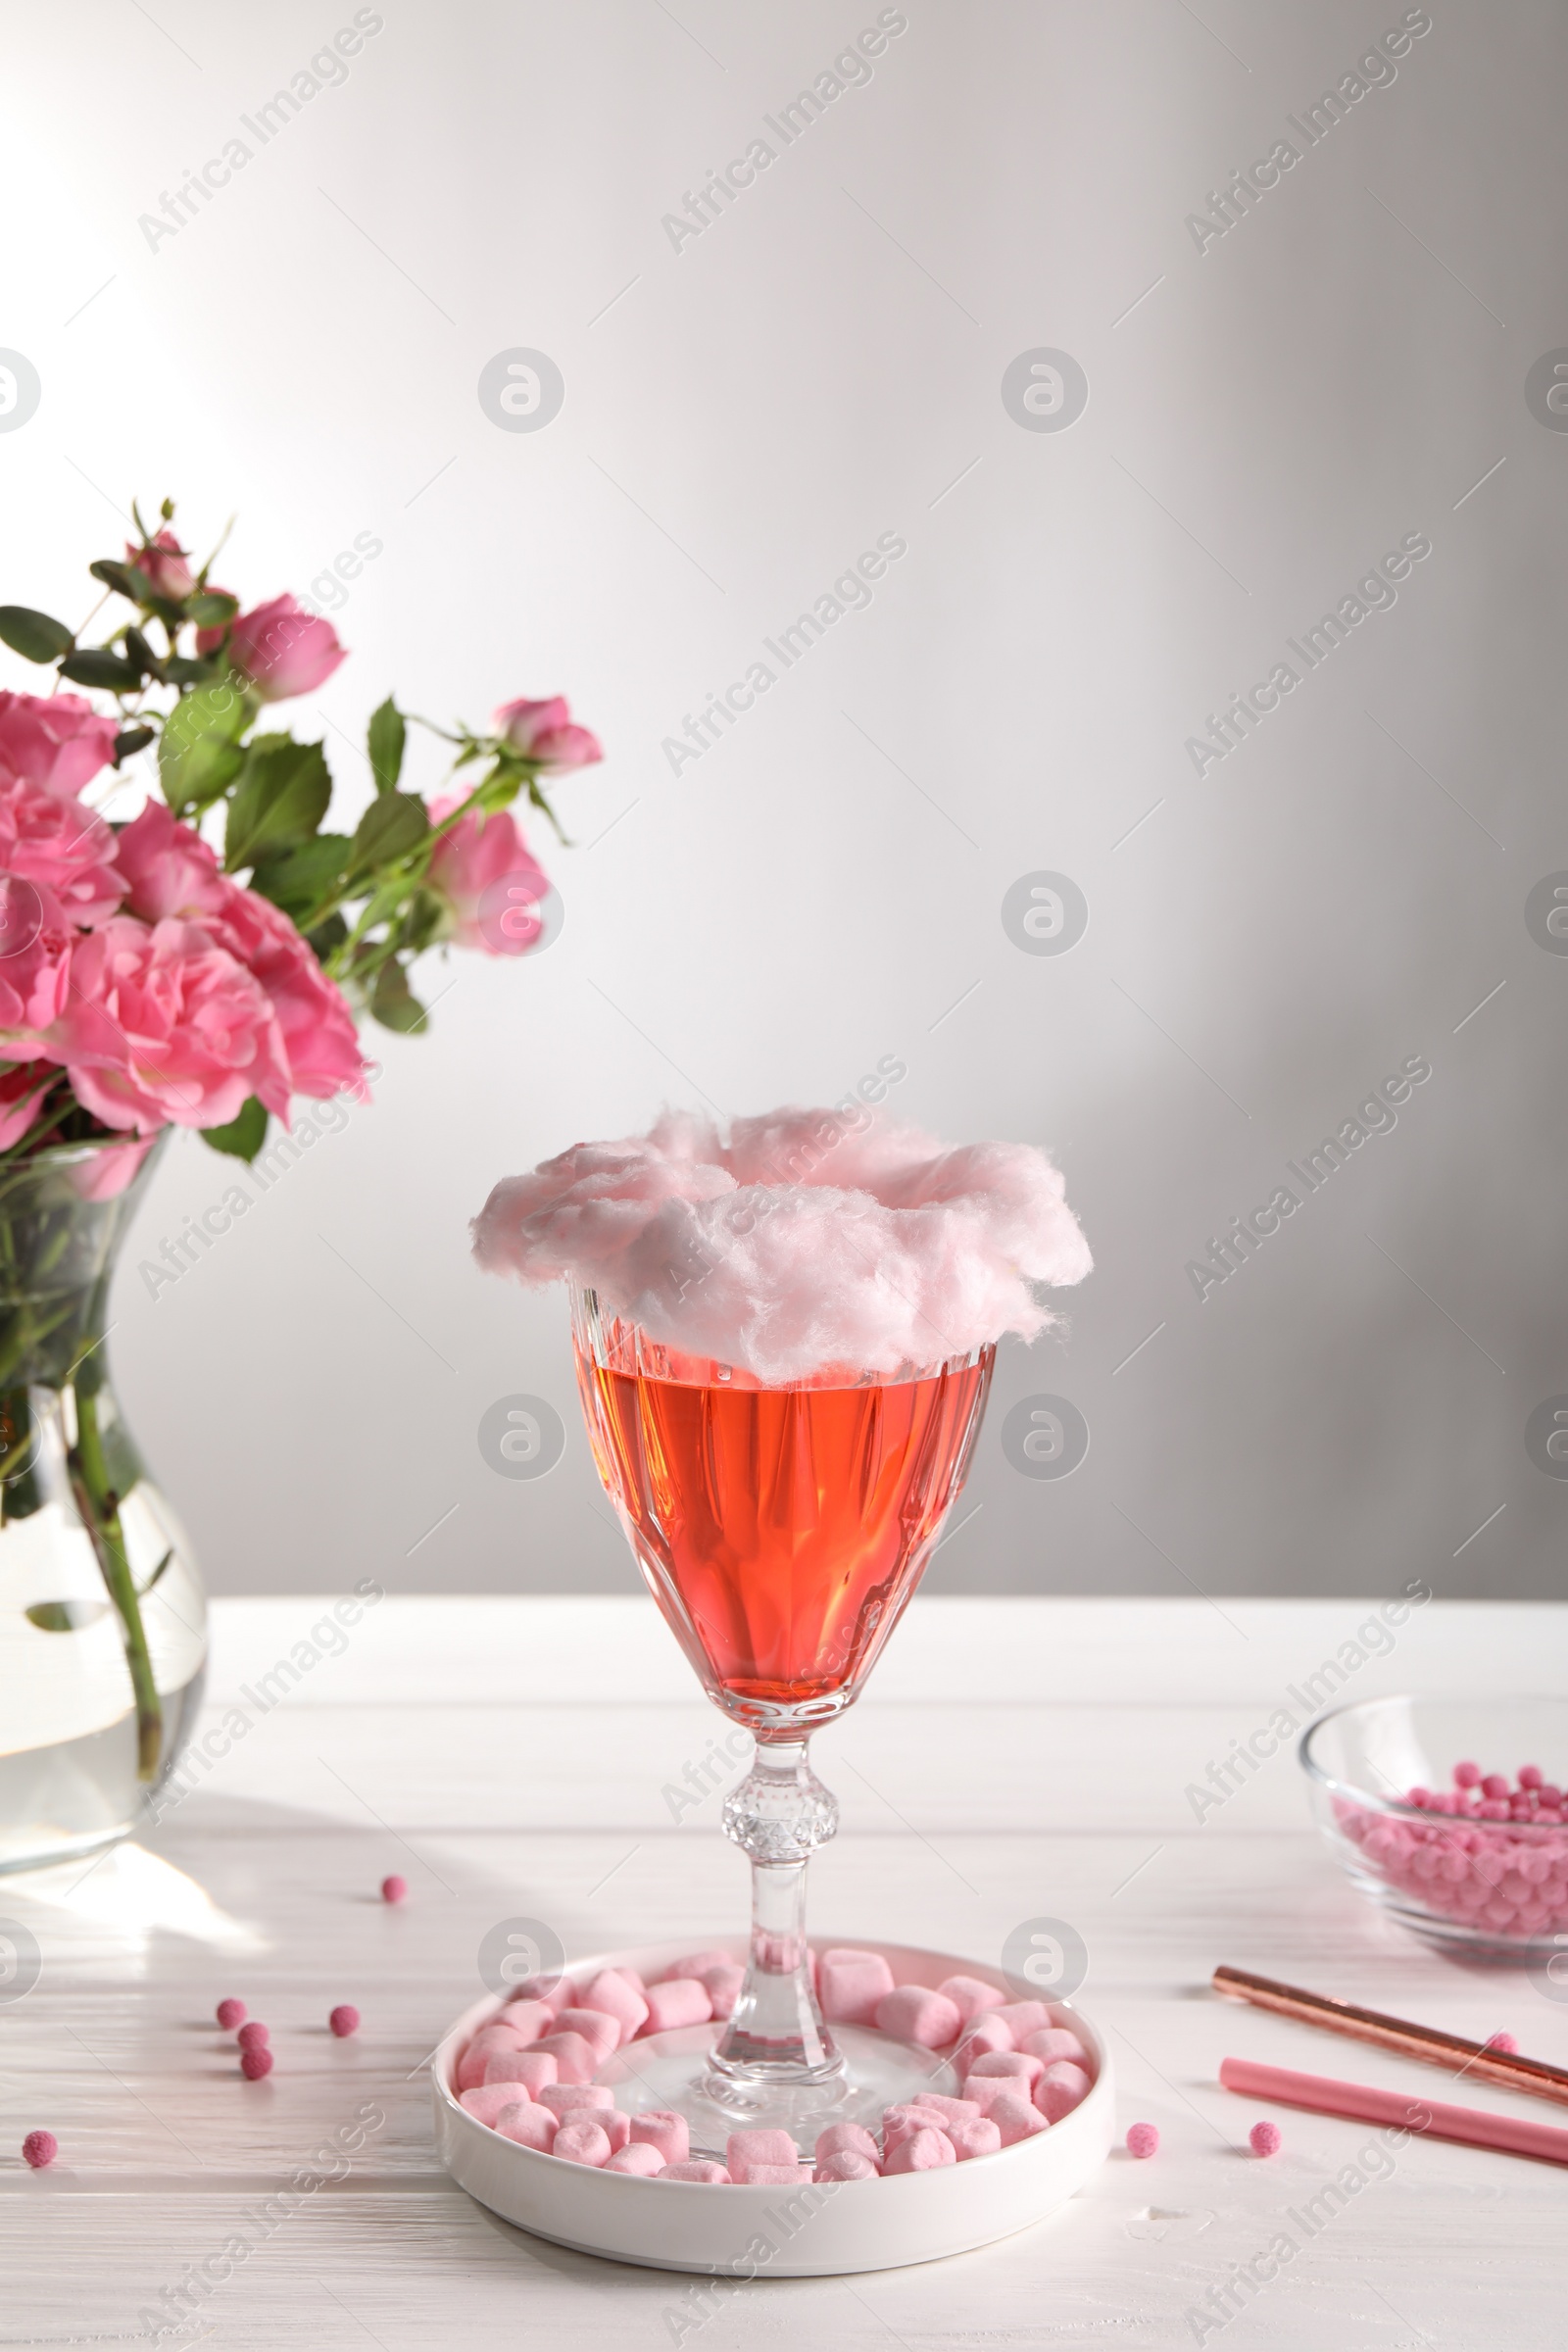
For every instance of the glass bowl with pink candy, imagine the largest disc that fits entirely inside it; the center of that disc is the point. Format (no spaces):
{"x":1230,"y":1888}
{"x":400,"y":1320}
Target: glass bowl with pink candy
{"x":1453,"y":1814}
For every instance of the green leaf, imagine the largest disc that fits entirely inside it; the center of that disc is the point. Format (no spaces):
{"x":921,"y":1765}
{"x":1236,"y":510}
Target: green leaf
{"x":386,"y":736}
{"x":301,"y":878}
{"x":97,"y":668}
{"x":243,"y":1137}
{"x":393,"y":1002}
{"x":280,"y":799}
{"x":120,"y":578}
{"x":65,"y":1616}
{"x":34,"y":635}
{"x":327,"y":937}
{"x":394,"y":823}
{"x":181,"y":670}
{"x":211,"y":609}
{"x":198,"y":753}
{"x":138,"y":650}
{"x":132,"y":741}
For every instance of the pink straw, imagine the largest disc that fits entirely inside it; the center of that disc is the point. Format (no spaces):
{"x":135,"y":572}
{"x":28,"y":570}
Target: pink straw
{"x":1474,"y":2125}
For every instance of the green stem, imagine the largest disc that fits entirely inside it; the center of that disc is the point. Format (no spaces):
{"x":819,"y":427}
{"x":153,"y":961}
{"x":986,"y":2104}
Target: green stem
{"x":99,"y":1506}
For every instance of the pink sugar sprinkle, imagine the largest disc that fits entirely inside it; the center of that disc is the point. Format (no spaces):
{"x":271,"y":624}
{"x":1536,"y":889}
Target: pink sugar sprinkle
{"x":1465,"y":1776}
{"x":394,"y":1890}
{"x":254,"y":2064}
{"x":344,"y":2020}
{"x":1502,"y":2041}
{"x":1265,"y":2139}
{"x":40,"y":2149}
{"x":1142,"y":2139}
{"x":1418,"y":1795}
{"x":253,"y":2037}
{"x":231,"y":2014}
{"x":1530,"y":1776}
{"x":1496,"y":1784}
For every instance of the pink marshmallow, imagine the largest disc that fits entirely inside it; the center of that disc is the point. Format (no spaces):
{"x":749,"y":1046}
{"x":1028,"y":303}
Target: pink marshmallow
{"x":909,"y":2116}
{"x":1016,"y":2118}
{"x":846,"y":2139}
{"x":913,"y":2014}
{"x":968,"y":1995}
{"x":985,"y":2089}
{"x":488,"y":2039}
{"x":1055,"y":2041}
{"x":700,"y":2169}
{"x":491,"y":2100}
{"x":531,"y":2126}
{"x":974,"y":2135}
{"x":981,"y":2037}
{"x":723,"y":1983}
{"x":851,"y":1982}
{"x":638,"y":2156}
{"x":696,"y":1964}
{"x":575,"y":2058}
{"x":768,"y":2176}
{"x":613,"y":1991}
{"x":1059,"y":2090}
{"x":845,"y":2165}
{"x":533,"y":2070}
{"x":665,"y":2131}
{"x":922,"y":2152}
{"x":599,"y":2030}
{"x":955,"y":2111}
{"x":616,"y":2127}
{"x":563,"y":2099}
{"x":580,"y":2141}
{"x":760,"y":2148}
{"x":1024,"y":2017}
{"x":1013,"y":2065}
{"x":677,"y":2001}
{"x":527,"y":2019}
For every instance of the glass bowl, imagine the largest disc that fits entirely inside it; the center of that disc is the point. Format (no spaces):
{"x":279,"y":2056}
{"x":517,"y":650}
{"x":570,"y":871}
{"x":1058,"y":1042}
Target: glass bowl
{"x":1495,"y":1890}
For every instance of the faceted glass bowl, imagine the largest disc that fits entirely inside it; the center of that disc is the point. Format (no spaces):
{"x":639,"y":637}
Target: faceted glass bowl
{"x":1495,"y":1891}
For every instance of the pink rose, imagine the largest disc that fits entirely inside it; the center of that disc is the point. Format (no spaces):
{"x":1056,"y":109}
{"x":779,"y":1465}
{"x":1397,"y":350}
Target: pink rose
{"x":282,"y":650}
{"x":163,"y":566}
{"x":170,"y":871}
{"x":320,"y":1043}
{"x":58,"y":742}
{"x":167,"y":869}
{"x":35,"y":943}
{"x":486,"y":873}
{"x":544,"y":732}
{"x":163,"y":1024}
{"x":51,"y":840}
{"x":23,"y":1086}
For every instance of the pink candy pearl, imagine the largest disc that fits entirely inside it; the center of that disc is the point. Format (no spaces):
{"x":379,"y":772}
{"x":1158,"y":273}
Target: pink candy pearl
{"x":1495,"y":1785}
{"x":254,"y":2064}
{"x":231,"y":2014}
{"x":344,"y":2020}
{"x":1466,"y":1776}
{"x":394,"y":1890}
{"x":1142,"y":2139}
{"x":39,"y":2148}
{"x":1265,"y":2139}
{"x":1502,"y":2041}
{"x":253,"y":2037}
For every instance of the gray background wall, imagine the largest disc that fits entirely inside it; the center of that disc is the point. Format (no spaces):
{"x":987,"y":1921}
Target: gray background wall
{"x":1266,"y":418}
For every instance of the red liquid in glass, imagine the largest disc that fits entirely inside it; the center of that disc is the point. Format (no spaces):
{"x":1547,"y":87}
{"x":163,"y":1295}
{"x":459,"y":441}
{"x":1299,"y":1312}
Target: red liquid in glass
{"x":781,"y":1531}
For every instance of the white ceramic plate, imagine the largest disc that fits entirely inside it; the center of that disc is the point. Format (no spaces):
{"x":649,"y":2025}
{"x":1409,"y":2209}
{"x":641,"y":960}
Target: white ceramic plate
{"x":807,"y":2232}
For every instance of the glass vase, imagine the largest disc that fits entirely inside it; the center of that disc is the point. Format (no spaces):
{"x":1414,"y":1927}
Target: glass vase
{"x":102,"y":1616}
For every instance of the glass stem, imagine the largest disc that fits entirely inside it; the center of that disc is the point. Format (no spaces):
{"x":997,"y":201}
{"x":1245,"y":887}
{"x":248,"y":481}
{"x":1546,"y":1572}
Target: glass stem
{"x":778,"y":1816}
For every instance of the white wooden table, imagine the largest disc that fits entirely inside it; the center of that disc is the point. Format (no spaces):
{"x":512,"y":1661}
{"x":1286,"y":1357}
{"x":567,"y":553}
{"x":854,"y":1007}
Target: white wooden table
{"x":1015,"y":1759}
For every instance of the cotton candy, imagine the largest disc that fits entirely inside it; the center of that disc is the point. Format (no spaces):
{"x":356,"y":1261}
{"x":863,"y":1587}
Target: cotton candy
{"x":811,"y":1238}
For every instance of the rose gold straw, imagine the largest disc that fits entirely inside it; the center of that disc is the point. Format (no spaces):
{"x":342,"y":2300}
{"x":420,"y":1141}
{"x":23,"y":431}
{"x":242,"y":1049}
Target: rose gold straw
{"x":1427,"y":2042}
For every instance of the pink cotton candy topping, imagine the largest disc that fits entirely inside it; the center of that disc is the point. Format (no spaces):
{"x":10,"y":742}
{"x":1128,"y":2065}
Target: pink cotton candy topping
{"x":821,"y":1239}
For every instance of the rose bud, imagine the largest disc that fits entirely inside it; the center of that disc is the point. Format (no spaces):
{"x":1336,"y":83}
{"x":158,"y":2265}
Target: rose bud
{"x":281,"y":650}
{"x":544,"y":733}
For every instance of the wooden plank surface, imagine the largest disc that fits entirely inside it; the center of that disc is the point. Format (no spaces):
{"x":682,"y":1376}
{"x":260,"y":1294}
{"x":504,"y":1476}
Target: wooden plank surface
{"x":1014,"y":1759}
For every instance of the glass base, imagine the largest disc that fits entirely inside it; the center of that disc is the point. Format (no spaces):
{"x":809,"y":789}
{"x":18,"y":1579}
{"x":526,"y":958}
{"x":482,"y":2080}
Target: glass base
{"x":674,"y":2070}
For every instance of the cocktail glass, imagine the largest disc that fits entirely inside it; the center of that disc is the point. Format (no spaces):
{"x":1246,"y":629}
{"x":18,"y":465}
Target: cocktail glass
{"x":782,"y":1530}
